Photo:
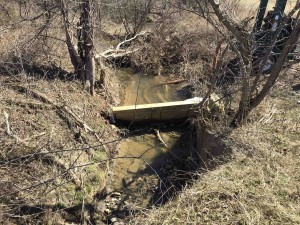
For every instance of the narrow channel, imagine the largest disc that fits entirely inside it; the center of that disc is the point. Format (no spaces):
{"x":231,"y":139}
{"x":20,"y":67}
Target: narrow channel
{"x":144,"y":160}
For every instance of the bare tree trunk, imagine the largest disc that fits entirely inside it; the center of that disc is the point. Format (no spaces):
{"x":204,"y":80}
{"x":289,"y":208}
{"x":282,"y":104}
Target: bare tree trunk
{"x":87,"y":44}
{"x":242,"y":47}
{"x":243,"y":112}
{"x":90,"y":72}
{"x":239,"y":33}
{"x":75,"y":59}
{"x":83,"y":60}
{"x":279,"y":64}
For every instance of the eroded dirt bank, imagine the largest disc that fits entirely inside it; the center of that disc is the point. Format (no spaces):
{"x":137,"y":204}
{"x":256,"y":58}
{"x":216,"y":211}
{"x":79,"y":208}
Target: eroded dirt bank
{"x":54,"y":148}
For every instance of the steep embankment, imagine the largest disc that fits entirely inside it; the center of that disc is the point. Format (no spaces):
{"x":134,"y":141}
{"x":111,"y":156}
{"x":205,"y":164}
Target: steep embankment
{"x":51,"y":140}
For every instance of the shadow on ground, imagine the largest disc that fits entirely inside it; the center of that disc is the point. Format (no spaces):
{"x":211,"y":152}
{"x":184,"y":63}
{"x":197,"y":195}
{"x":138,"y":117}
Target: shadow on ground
{"x":37,"y":71}
{"x":167,"y":174}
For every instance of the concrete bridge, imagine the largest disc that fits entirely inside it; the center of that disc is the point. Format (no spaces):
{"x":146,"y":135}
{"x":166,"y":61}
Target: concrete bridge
{"x":178,"y":110}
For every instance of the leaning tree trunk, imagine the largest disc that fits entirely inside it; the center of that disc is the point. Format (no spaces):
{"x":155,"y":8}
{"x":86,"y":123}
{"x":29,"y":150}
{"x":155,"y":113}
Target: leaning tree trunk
{"x":74,"y":57}
{"x":244,"y":111}
{"x":82,"y":59}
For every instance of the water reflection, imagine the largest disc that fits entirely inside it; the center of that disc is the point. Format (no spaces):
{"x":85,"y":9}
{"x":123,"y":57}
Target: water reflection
{"x":143,"y":89}
{"x":138,"y":175}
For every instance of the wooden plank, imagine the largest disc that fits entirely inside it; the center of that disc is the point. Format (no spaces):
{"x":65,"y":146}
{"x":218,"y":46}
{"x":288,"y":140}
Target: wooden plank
{"x":157,"y":111}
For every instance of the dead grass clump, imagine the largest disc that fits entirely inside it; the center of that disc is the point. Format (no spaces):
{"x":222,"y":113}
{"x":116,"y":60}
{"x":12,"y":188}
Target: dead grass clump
{"x":261,"y":182}
{"x":46,"y":133}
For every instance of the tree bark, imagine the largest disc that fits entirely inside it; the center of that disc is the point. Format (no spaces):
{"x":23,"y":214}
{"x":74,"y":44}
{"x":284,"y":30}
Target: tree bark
{"x":243,"y":112}
{"x":87,"y":44}
{"x":240,"y":34}
{"x":74,"y":57}
{"x":83,"y":60}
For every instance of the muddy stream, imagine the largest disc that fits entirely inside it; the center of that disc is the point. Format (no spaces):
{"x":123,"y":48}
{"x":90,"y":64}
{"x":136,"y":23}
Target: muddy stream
{"x":142,"y":178}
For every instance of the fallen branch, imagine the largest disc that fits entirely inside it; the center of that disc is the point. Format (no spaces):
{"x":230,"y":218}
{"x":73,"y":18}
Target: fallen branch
{"x":160,"y":138}
{"x":30,"y":104}
{"x":171,"y":82}
{"x":114,"y":54}
{"x":129,"y":40}
{"x":19,"y":140}
{"x":40,"y":96}
{"x":8,"y":130}
{"x":46,"y":154}
{"x":61,"y":164}
{"x":118,"y":52}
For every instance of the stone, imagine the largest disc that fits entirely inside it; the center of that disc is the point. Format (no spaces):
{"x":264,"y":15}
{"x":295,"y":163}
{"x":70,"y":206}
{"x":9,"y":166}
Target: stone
{"x":115,"y":194}
{"x":107,"y":211}
{"x":100,"y":207}
{"x":126,"y":203}
{"x":113,"y":220}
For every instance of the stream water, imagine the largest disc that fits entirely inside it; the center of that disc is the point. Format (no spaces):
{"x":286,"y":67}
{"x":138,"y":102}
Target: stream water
{"x":155,"y":160}
{"x":143,"y":158}
{"x":144,"y":89}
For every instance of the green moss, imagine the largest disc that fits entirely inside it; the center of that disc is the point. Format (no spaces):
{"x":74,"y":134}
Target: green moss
{"x":99,"y":155}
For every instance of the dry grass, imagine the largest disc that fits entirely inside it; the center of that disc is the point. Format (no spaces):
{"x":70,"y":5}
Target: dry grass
{"x":259,"y":185}
{"x":38,"y":180}
{"x":37,"y":177}
{"x":37,"y":126}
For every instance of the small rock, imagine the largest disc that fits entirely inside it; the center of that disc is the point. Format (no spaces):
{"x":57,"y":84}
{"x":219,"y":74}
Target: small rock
{"x":298,"y":102}
{"x":113,"y":220}
{"x":119,"y":223}
{"x":114,"y":199}
{"x":133,"y":170}
{"x":126,"y":203}
{"x":107,"y":211}
{"x":115,"y":194}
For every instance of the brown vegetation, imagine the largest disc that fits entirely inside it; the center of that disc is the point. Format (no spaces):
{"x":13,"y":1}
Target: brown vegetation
{"x":260,"y":182}
{"x":47,"y":135}
{"x":56,"y":143}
